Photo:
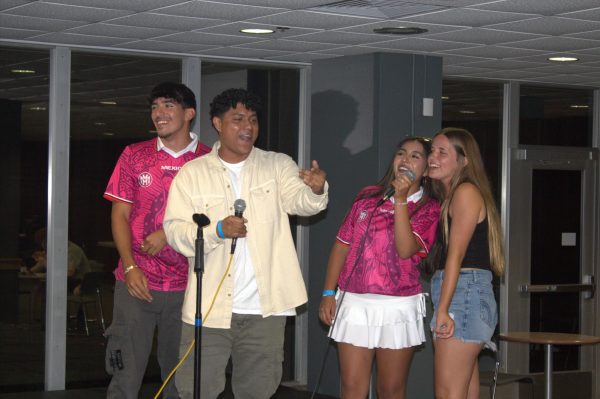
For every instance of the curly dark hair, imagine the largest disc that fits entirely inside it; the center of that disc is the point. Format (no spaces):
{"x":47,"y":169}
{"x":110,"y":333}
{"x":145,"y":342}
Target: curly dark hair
{"x":230,"y":98}
{"x":177,"y":92}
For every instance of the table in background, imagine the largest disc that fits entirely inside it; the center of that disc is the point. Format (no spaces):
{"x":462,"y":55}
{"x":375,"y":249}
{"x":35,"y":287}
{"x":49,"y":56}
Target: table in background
{"x":548,"y":339}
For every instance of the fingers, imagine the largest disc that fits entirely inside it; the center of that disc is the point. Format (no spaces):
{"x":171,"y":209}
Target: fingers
{"x":234,"y":227}
{"x":314,"y":165}
{"x":137,"y":285}
{"x":327,"y":310}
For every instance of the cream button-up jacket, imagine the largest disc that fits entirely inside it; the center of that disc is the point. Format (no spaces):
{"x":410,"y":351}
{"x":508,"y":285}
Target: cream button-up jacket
{"x":272,"y":190}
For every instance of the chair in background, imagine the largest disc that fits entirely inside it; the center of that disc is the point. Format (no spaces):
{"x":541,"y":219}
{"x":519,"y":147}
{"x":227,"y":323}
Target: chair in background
{"x":91,"y":294}
{"x":495,"y":378}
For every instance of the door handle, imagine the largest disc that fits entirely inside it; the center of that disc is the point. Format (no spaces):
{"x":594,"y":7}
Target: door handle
{"x":588,"y":287}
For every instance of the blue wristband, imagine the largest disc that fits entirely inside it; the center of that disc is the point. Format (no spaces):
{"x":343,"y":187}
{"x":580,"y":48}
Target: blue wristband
{"x":328,"y":292}
{"x":220,"y":229}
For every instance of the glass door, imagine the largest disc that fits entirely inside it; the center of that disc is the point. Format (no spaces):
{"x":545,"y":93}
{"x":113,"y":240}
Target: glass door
{"x":552,"y":241}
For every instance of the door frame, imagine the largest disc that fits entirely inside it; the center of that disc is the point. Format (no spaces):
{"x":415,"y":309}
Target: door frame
{"x":523,"y":160}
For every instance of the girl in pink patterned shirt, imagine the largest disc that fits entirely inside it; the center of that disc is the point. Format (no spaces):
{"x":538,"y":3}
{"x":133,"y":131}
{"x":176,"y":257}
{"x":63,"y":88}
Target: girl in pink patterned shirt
{"x":374,"y":263}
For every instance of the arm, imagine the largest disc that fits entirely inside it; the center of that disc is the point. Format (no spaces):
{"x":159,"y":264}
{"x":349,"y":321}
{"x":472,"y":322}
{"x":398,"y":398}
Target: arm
{"x":404,"y":239}
{"x":334,"y":267}
{"x":465,"y":209}
{"x":302,"y":192}
{"x":135,"y":280}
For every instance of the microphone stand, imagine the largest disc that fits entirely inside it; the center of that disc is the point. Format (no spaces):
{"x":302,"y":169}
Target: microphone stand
{"x":202,"y":220}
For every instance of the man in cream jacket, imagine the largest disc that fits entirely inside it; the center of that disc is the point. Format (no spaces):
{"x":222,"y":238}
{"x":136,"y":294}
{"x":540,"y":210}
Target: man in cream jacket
{"x":247,"y":295}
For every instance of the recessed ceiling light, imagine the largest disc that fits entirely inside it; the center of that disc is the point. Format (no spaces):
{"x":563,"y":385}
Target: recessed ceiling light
{"x":563,"y":59}
{"x":257,"y":31}
{"x":579,"y":106}
{"x":99,"y":123}
{"x":402,"y":30}
{"x":37,"y":108}
{"x":108,"y":102}
{"x":445,"y":98}
{"x":466,"y":112}
{"x":23,"y":71}
{"x":108,"y":134}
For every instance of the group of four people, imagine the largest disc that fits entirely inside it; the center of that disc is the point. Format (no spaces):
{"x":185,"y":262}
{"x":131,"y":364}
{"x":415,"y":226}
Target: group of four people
{"x":379,"y":307}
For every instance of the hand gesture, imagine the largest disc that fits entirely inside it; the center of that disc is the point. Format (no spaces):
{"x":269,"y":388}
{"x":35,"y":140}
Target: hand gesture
{"x":234,"y":227}
{"x":137,"y":284}
{"x":444,"y":325}
{"x":401,"y":186}
{"x":154,"y":242}
{"x":314,"y":178}
{"x":327,"y":309}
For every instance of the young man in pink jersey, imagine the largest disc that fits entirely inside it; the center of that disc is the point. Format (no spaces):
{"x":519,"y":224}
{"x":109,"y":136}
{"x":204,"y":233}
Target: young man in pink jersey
{"x":151,"y":276}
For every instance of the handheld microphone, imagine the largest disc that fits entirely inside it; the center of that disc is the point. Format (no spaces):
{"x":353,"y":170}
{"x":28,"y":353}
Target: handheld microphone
{"x":202,"y":221}
{"x":239,"y":207}
{"x":390,"y":192}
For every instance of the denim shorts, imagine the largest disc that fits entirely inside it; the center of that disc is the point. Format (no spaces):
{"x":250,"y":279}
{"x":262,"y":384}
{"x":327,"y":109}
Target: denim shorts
{"x":473,"y":307}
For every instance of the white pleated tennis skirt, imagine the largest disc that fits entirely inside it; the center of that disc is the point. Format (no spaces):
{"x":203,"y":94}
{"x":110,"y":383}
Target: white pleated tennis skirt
{"x":380,"y":321}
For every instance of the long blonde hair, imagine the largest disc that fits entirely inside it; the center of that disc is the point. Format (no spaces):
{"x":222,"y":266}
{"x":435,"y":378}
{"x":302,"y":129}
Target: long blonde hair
{"x":474,"y":172}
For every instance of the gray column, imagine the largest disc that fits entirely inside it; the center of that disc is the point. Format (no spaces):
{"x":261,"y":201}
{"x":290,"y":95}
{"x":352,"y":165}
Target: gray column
{"x":362,"y":106}
{"x":58,"y":218}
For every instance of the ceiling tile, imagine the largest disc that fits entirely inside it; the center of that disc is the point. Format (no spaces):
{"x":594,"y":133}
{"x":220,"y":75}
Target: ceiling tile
{"x":45,"y":24}
{"x":290,"y":4}
{"x":209,"y":38}
{"x":216,"y":10}
{"x":7,"y":4}
{"x":538,"y":7}
{"x":179,"y":23}
{"x":554,"y":44}
{"x":505,"y":64}
{"x":18,"y":34}
{"x":420,"y":45}
{"x":66,"y":12}
{"x":498,"y":52}
{"x":301,"y":57}
{"x":510,"y":74}
{"x":288,"y":45}
{"x":554,"y":26}
{"x":589,"y":15}
{"x":468,"y":17}
{"x":131,"y":5}
{"x":70,"y":38}
{"x":168,"y":47}
{"x":133,"y":32}
{"x":482,"y":36}
{"x":337,"y":37}
{"x":309,"y":19}
{"x":244,"y":52}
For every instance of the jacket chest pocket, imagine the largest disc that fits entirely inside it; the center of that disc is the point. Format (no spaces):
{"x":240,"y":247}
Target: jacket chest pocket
{"x":264,"y":201}
{"x":212,"y":206}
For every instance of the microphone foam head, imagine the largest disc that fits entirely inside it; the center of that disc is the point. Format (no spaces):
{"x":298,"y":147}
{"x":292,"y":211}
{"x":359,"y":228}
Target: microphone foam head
{"x":410,"y":175}
{"x":201,"y":219}
{"x":239,"y":205}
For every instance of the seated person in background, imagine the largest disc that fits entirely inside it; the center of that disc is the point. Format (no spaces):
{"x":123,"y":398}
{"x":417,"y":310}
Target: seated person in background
{"x":77,"y":263}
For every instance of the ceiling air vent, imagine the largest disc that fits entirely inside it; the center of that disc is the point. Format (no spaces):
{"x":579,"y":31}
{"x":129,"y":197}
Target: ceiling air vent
{"x":376,"y":8}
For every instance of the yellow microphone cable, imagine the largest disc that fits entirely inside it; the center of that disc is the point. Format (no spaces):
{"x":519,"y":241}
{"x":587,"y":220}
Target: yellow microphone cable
{"x":189,"y":350}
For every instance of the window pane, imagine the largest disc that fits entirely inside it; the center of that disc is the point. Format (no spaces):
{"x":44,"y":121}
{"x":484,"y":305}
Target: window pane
{"x":477,"y":107}
{"x":109,"y":110}
{"x":555,"y":116}
{"x":24,"y":112}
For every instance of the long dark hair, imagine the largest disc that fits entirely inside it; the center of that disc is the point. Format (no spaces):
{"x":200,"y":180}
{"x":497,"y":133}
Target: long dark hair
{"x":431,"y":189}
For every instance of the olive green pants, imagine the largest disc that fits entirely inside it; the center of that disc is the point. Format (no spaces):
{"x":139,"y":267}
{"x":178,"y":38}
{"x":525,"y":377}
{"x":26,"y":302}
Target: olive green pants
{"x":255,"y":345}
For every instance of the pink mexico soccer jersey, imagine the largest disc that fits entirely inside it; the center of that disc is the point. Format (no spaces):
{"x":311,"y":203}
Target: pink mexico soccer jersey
{"x":380,"y":270}
{"x":142,"y":178}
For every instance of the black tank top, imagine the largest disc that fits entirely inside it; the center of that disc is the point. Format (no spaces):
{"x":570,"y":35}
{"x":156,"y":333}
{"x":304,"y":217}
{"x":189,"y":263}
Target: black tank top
{"x":477,"y":254}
